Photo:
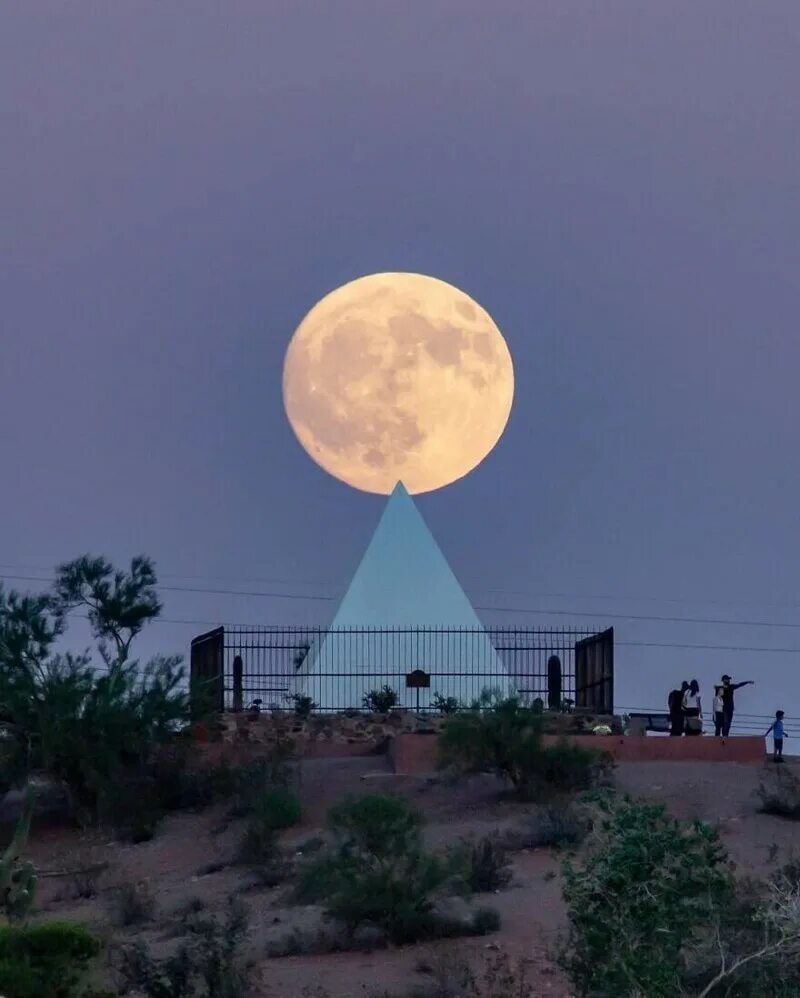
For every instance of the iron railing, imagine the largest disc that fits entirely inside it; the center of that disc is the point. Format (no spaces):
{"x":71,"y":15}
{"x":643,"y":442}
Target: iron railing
{"x":338,"y":668}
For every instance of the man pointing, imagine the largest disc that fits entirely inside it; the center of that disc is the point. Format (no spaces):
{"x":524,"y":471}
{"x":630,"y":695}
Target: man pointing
{"x":727,"y":702}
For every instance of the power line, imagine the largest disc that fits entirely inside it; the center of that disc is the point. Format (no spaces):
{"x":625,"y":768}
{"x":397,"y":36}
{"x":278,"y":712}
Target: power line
{"x":786,"y":605}
{"x":651,"y":618}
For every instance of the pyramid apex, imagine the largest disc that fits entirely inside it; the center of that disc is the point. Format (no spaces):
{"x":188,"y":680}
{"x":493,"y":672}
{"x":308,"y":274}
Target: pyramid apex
{"x":400,"y":490}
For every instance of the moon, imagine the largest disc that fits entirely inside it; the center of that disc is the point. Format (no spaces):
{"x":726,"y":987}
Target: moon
{"x":398,"y":377}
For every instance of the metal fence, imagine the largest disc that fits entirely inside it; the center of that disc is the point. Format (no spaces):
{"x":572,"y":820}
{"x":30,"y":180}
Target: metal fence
{"x":338,"y":668}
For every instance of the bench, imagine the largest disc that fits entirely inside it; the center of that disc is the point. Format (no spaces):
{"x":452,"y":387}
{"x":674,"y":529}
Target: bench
{"x":642,"y":722}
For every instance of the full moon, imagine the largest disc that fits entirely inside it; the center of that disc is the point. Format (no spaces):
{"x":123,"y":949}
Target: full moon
{"x":398,"y":377}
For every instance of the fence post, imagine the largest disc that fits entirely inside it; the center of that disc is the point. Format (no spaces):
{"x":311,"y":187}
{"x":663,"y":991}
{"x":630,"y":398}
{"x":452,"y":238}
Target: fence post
{"x":238,"y":691}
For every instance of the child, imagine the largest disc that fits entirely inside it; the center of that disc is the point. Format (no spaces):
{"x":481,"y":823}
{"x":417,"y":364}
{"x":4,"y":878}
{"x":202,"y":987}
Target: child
{"x":719,"y":711}
{"x":777,"y":736}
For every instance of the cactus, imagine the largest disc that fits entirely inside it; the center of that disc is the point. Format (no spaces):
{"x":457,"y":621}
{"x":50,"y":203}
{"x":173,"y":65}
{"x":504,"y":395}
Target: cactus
{"x":18,"y":879}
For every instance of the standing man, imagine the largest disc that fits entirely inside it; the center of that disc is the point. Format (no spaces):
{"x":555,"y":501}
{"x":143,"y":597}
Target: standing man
{"x":675,"y":705}
{"x":727,"y":702}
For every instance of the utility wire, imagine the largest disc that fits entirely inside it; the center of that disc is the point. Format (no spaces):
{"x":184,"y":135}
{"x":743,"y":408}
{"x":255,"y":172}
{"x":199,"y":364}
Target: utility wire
{"x":651,"y":618}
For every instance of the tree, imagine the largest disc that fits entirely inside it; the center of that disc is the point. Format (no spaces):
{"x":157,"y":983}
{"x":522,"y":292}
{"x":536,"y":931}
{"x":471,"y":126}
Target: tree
{"x":87,"y":729}
{"x":119,"y":603}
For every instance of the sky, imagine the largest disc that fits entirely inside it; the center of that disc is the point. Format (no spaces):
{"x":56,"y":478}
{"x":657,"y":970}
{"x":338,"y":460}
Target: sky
{"x":617,"y":183}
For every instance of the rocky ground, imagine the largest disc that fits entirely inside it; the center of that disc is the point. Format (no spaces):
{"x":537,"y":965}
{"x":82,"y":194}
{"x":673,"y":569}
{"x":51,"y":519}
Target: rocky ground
{"x":189,"y":865}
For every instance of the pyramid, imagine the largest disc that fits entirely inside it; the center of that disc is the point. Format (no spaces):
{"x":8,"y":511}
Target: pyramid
{"x":403,"y":611}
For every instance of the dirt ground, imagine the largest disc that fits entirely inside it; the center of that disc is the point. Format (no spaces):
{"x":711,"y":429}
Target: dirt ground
{"x":191,"y":858}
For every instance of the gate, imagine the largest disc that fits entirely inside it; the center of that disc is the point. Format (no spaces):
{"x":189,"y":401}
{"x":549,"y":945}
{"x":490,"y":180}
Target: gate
{"x":594,"y":673}
{"x":208,"y":671}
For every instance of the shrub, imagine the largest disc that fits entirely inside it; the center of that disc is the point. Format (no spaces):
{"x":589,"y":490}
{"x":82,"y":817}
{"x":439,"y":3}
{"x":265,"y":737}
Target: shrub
{"x":484,"y":921}
{"x":303,"y":705}
{"x":645,"y":891}
{"x":275,"y":809}
{"x":547,"y":828}
{"x":483,"y":865}
{"x":17,"y":877}
{"x":376,"y":873}
{"x":210,"y":965}
{"x":504,"y":736}
{"x":445,"y":705}
{"x":258,"y":776}
{"x":380,"y":701}
{"x":779,"y":790}
{"x":51,"y":960}
{"x":133,"y":904}
{"x":572,"y":767}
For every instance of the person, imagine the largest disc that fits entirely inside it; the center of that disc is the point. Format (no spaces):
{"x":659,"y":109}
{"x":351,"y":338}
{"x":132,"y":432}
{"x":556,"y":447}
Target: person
{"x":719,"y":715}
{"x":675,"y":705}
{"x":727,"y":702}
{"x":693,"y":709}
{"x":778,"y":735}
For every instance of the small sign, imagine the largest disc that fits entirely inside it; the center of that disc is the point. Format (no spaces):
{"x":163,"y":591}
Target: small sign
{"x":418,"y":680}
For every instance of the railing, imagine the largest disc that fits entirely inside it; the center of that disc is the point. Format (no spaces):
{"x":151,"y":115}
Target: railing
{"x":743,"y":723}
{"x":337,"y":669}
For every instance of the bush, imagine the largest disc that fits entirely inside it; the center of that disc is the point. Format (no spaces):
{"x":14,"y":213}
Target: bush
{"x":276,"y":809}
{"x":380,"y":701}
{"x":504,"y":736}
{"x":646,"y":890}
{"x":51,"y":960}
{"x":572,"y":767}
{"x":779,"y":790}
{"x":376,"y":873}
{"x":303,"y":705}
{"x":133,"y":904}
{"x":484,"y":921}
{"x":210,"y":965}
{"x":445,"y":705}
{"x":257,"y":777}
{"x":18,"y":878}
{"x":547,"y":828}
{"x":483,"y":865}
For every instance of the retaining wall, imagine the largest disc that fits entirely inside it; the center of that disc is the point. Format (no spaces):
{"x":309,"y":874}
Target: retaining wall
{"x":413,"y":754}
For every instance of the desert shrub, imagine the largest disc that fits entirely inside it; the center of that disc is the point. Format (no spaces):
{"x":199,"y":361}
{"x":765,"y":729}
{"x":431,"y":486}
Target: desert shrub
{"x":445,"y":705}
{"x":129,"y":806}
{"x":484,"y":921}
{"x":133,"y":904}
{"x":572,"y":767}
{"x":252,"y":780}
{"x":380,"y":701}
{"x":482,"y":865}
{"x":303,"y":705}
{"x":547,"y":828}
{"x":376,"y":872}
{"x":276,"y":809}
{"x":52,"y":960}
{"x":18,"y":877}
{"x":209,"y":965}
{"x":647,"y":888}
{"x":779,"y":791}
{"x":505,"y":736}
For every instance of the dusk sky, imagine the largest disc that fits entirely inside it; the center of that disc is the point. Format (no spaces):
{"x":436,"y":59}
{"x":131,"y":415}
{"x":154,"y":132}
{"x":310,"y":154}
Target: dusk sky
{"x":617,"y":183}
